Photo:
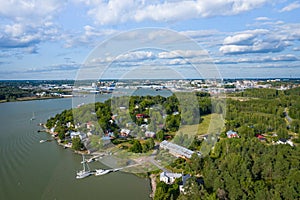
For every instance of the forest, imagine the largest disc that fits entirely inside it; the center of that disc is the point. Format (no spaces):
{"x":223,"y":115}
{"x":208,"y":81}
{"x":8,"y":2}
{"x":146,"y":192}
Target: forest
{"x":11,"y":90}
{"x":246,"y":167}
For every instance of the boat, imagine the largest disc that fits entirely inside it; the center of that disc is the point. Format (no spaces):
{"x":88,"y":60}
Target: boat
{"x":100,"y":172}
{"x":33,"y":117}
{"x":42,"y":141}
{"x":85,"y":172}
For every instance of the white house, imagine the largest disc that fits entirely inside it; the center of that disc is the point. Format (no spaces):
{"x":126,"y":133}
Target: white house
{"x":285,"y":141}
{"x":184,"y":180}
{"x":124,"y":132}
{"x":169,"y":178}
{"x":232,"y":134}
{"x":78,"y":134}
{"x":150,"y":134}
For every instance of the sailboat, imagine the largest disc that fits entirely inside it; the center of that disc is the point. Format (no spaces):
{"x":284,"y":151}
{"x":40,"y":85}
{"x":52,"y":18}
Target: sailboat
{"x":33,"y":117}
{"x":85,"y":172}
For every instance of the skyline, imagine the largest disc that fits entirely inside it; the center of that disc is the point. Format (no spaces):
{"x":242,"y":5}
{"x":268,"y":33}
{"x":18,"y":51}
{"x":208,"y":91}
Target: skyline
{"x":244,"y":39}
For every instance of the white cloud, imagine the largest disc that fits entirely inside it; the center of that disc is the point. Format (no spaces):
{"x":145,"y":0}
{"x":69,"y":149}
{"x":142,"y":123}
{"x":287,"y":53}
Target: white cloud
{"x":284,"y":58}
{"x":257,"y":47}
{"x":296,"y":49}
{"x":88,"y":36}
{"x":200,"y":33}
{"x":243,"y":38}
{"x":262,"y":19}
{"x":135,"y":56}
{"x":24,"y":24}
{"x":23,"y":36}
{"x":291,"y":7}
{"x":114,"y":11}
{"x":29,"y":11}
{"x":273,"y":39}
{"x":182,"y":54}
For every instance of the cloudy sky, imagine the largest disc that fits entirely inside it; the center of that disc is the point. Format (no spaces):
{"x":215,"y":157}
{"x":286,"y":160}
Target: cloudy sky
{"x":51,"y":39}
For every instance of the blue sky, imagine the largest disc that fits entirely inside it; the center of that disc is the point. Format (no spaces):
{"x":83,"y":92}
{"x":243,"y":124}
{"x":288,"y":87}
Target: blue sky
{"x":243,"y":38}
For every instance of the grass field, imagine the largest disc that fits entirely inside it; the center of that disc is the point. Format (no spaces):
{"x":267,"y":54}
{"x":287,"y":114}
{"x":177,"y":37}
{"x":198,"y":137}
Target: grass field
{"x":211,"y":123}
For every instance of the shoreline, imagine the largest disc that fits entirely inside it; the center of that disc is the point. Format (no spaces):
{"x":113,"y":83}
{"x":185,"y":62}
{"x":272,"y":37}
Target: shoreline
{"x":33,"y":99}
{"x":152,"y":178}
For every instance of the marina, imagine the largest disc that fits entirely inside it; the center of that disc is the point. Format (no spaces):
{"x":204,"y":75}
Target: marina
{"x":86,"y":171}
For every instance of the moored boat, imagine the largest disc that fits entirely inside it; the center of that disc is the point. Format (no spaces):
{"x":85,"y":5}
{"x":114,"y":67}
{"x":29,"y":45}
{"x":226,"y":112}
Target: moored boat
{"x":100,"y":172}
{"x":85,"y":172}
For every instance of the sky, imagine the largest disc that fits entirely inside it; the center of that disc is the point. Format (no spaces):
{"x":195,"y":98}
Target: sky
{"x":56,"y":39}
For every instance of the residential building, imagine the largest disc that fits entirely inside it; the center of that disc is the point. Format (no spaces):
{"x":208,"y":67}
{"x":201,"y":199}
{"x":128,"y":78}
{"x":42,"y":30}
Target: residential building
{"x":150,"y":134}
{"x":232,"y":134}
{"x":169,"y":178}
{"x":78,"y":134}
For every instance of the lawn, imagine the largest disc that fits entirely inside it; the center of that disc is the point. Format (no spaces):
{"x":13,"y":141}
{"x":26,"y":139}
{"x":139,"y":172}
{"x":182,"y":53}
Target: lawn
{"x":211,"y":123}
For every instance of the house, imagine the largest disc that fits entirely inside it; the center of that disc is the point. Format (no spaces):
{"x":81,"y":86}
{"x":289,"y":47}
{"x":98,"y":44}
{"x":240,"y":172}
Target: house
{"x":78,"y":134}
{"x":113,"y":117}
{"x":124,"y":132}
{"x":89,"y":125}
{"x":69,"y":124}
{"x":281,"y":141}
{"x":169,"y":178}
{"x":176,"y":150}
{"x":232,"y":134}
{"x":285,"y":141}
{"x":150,"y":134}
{"x":138,"y":116}
{"x":175,"y":113}
{"x":144,"y":126}
{"x":261,"y":138}
{"x":184,"y":180}
{"x":52,"y":130}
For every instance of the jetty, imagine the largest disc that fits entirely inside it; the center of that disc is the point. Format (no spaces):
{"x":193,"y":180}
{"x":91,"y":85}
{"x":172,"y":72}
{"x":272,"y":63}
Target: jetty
{"x":93,"y":158}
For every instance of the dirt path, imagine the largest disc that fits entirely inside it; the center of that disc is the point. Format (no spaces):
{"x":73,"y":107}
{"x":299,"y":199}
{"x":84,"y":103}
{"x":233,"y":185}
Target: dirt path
{"x":153,"y":185}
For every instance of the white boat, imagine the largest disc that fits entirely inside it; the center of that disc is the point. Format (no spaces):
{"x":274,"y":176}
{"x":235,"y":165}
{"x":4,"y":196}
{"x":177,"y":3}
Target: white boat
{"x":42,"y":141}
{"x":100,"y":172}
{"x":33,"y":117}
{"x":85,"y":172}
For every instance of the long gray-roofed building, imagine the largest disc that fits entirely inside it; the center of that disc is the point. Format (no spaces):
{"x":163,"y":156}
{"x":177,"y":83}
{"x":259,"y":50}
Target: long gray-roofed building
{"x":176,"y":150}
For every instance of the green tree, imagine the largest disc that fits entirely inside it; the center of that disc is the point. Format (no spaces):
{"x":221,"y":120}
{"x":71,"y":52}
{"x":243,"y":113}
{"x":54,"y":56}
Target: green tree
{"x":77,"y":144}
{"x":136,"y":147}
{"x":195,"y":163}
{"x":60,"y":131}
{"x":160,"y":135}
{"x":161,"y":192}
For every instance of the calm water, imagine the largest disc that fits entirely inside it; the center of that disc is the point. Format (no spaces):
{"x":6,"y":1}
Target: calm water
{"x":30,"y":170}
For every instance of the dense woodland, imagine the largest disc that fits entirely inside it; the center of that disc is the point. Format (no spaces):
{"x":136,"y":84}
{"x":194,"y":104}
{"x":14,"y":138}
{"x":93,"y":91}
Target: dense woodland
{"x":245,"y":167}
{"x":11,"y":90}
{"x":237,"y":168}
